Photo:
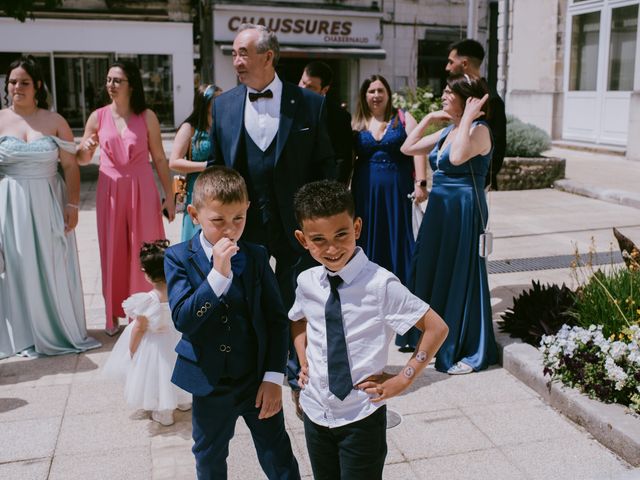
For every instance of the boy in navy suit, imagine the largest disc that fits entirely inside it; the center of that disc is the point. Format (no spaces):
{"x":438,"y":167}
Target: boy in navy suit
{"x":232,"y":357}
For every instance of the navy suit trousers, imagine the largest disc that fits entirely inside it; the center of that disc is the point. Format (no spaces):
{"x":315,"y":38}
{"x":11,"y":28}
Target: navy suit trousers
{"x":214,"y":419}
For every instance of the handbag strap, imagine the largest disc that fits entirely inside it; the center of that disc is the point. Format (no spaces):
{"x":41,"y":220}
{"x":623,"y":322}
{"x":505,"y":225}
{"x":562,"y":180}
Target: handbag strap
{"x":189,"y":153}
{"x":485,"y":226}
{"x":475,"y":187}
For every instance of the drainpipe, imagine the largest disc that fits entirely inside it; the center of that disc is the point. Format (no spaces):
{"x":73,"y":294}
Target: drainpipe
{"x":505,"y":50}
{"x":472,"y":19}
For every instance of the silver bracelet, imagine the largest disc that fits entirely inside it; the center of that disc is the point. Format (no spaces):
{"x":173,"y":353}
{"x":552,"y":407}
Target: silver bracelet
{"x":73,"y":205}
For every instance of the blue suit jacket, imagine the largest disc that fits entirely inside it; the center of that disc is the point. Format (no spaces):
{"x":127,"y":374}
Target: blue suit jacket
{"x":198,"y":313}
{"x":303,"y":146}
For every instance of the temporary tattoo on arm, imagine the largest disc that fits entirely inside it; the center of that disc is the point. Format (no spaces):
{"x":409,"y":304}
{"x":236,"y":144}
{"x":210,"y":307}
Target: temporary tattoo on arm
{"x":408,"y":371}
{"x":421,"y":356}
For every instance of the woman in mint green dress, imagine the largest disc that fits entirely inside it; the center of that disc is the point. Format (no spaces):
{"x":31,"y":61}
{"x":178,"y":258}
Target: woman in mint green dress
{"x":41,"y":300}
{"x":192,"y":146}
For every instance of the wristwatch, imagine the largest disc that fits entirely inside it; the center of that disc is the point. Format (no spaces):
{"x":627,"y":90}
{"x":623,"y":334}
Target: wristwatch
{"x":421,"y":183}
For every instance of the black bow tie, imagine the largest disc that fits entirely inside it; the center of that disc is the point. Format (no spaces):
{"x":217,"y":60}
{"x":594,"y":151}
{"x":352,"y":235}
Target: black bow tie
{"x":255,"y":96}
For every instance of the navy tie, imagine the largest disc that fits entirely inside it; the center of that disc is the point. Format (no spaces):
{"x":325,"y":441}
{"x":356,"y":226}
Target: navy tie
{"x":340,"y":383}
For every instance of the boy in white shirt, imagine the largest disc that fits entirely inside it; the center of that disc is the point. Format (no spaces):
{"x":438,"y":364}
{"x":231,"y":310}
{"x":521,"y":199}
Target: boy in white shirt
{"x":343,"y":319}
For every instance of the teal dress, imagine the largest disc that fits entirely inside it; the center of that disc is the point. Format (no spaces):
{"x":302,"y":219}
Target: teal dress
{"x":199,"y":153}
{"x":41,"y":300}
{"x":447,"y":272}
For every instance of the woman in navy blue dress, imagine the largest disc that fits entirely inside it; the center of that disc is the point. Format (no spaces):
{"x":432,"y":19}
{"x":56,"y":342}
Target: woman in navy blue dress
{"x":383,"y":179}
{"x":447,"y":270}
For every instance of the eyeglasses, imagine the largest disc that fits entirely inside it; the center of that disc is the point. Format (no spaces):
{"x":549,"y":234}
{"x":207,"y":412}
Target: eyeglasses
{"x":115,"y":81}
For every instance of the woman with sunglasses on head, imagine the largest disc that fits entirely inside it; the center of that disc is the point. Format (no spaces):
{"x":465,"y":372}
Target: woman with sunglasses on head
{"x":192,"y":146}
{"x":41,"y":304}
{"x":128,"y":206}
{"x":447,"y":269}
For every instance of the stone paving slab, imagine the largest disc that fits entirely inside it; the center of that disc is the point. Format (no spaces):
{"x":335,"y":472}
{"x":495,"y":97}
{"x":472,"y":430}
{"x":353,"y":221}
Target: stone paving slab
{"x":491,"y":464}
{"x":114,"y":463}
{"x":28,"y":470}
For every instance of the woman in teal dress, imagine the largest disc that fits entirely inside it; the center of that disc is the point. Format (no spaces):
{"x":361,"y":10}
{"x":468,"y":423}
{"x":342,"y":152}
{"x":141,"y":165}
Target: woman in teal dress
{"x":191,"y":148}
{"x":447,"y":270}
{"x":41,"y":299}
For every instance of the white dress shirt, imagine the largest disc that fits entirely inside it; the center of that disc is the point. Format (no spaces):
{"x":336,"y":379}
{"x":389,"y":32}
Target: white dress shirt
{"x":262,"y":117}
{"x":220,"y":286}
{"x":375,"y":305}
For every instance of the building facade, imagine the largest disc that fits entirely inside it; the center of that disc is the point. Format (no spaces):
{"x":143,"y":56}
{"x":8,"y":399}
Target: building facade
{"x":76,"y":43}
{"x":405,"y":40}
{"x":572,"y":67}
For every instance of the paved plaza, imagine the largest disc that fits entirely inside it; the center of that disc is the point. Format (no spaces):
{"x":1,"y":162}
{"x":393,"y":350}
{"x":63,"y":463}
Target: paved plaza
{"x":59,"y":419}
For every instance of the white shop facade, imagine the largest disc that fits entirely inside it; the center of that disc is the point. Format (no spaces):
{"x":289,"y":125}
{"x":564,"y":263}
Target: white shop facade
{"x":342,"y":39}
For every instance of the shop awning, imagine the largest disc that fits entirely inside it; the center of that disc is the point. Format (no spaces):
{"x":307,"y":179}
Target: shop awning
{"x":323,"y":52}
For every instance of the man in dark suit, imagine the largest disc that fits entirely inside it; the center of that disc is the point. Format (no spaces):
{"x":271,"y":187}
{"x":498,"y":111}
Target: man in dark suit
{"x":466,"y":57}
{"x":275,"y":134}
{"x":318,"y":77}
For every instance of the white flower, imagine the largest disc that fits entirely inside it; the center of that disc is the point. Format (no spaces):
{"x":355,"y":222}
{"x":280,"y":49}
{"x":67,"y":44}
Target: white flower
{"x":634,"y":353}
{"x":618,"y":350}
{"x":615,"y":373}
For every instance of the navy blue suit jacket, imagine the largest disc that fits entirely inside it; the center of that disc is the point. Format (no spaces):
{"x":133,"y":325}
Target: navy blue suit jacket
{"x":197,"y":313}
{"x":303,"y":146}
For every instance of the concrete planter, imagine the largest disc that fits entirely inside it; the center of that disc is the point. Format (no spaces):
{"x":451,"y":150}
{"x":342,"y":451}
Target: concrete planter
{"x":613,"y":425}
{"x":520,"y":173}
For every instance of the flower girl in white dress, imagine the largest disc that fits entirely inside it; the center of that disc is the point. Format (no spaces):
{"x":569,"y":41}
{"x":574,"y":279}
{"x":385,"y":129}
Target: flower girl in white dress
{"x":144,"y":356}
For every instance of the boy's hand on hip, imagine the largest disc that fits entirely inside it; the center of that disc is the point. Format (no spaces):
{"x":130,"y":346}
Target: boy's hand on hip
{"x":269,"y":399}
{"x":384,"y":386}
{"x":303,"y":376}
{"x":223,"y":250}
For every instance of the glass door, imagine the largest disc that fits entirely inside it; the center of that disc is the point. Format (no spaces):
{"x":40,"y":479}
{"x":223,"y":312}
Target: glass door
{"x":600,"y":66}
{"x":79,"y":86}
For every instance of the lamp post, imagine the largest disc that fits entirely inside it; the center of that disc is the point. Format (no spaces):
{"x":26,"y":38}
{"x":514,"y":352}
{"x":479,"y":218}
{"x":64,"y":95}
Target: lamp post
{"x":206,"y":41}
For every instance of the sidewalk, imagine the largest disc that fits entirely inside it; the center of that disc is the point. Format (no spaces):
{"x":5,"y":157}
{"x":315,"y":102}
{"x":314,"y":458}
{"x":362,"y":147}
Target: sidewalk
{"x":60,"y":420}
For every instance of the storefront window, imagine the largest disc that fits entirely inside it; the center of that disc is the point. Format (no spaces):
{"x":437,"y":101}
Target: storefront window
{"x":432,"y":60}
{"x":585,"y":33}
{"x":622,"y":49}
{"x":157,"y":80}
{"x":80,"y":86}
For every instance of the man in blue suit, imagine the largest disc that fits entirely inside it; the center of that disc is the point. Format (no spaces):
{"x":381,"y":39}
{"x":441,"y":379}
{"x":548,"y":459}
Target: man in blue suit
{"x":225,"y":301}
{"x":275,"y":134}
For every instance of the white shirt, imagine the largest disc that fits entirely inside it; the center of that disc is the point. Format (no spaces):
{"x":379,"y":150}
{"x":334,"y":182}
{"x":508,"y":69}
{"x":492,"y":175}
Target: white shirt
{"x":375,"y":305}
{"x":262,"y":117}
{"x":220,"y":286}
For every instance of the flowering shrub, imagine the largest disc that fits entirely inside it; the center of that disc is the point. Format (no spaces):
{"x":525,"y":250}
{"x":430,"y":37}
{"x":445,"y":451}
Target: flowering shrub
{"x":603,"y":368}
{"x":418,"y":102}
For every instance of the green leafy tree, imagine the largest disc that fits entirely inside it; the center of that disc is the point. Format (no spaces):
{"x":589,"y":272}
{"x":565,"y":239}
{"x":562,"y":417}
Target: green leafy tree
{"x":23,"y":9}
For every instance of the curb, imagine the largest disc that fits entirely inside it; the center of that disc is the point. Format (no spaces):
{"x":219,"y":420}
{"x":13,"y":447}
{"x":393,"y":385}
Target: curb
{"x":611,"y":424}
{"x":620,"y":197}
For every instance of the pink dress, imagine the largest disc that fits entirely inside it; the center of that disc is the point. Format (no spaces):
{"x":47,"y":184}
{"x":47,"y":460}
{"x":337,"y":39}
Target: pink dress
{"x":128,"y":208}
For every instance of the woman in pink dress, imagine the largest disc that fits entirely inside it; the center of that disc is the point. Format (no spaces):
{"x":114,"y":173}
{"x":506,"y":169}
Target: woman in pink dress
{"x":127,"y":202}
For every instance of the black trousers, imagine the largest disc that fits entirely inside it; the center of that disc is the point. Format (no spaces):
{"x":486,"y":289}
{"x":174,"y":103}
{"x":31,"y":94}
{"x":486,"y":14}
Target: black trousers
{"x":352,"y":452}
{"x":214,"y":419}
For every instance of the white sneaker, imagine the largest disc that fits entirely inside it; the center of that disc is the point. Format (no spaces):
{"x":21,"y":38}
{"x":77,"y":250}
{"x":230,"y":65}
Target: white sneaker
{"x":460,"y":368}
{"x":163,"y":417}
{"x":184,"y":407}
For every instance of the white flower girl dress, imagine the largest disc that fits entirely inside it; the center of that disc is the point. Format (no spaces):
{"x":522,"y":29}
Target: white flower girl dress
{"x":147,"y":376}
